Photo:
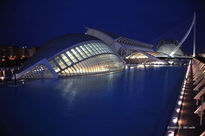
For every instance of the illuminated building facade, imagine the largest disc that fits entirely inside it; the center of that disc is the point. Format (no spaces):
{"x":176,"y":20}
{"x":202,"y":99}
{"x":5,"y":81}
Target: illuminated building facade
{"x":71,"y":55}
{"x":10,"y":51}
{"x":94,"y":52}
{"x":129,"y":50}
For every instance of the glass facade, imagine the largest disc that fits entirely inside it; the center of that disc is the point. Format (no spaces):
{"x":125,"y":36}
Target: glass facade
{"x":138,"y":55}
{"x":97,"y":64}
{"x":40,"y":71}
{"x":86,"y":58}
{"x":90,"y":57}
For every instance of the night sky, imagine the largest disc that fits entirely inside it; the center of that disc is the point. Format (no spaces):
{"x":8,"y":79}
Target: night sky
{"x":35,"y":22}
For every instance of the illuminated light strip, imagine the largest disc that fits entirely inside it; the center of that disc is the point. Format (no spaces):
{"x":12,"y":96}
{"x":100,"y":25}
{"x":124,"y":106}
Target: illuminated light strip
{"x":177,"y":110}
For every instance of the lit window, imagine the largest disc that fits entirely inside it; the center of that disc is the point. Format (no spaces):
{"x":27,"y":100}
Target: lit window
{"x":74,"y":71}
{"x":82,"y":53}
{"x":70,"y":70}
{"x":76,"y":54}
{"x":90,"y":51}
{"x":93,"y":48}
{"x":60,"y":62}
{"x":96,"y":47}
{"x":56,"y":69}
{"x":87,"y":53}
{"x":79,"y":69}
{"x":71,"y":56}
{"x":66,"y":71}
{"x":99,"y":48}
{"x":67,"y":61}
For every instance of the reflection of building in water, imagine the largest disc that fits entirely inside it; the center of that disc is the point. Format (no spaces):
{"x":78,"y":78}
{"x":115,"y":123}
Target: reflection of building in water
{"x":71,"y":87}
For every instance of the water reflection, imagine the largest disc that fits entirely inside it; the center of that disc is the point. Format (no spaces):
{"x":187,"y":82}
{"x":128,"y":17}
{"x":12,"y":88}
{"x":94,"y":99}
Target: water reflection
{"x":70,"y":87}
{"x":116,"y":104}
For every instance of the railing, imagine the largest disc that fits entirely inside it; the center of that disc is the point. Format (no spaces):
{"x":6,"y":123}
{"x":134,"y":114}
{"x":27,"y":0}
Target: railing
{"x":172,"y":126}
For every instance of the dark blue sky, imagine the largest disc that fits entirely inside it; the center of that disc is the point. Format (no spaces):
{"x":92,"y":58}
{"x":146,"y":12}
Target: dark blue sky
{"x":35,"y":22}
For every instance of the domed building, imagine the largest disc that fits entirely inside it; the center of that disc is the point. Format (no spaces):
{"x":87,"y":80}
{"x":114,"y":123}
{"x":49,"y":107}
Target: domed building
{"x":165,"y":48}
{"x":71,"y":55}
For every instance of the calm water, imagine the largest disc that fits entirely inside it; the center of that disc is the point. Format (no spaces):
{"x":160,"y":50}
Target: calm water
{"x":136,"y":102}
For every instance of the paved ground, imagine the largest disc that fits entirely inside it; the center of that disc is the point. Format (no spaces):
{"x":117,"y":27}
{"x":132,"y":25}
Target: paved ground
{"x":188,"y":121}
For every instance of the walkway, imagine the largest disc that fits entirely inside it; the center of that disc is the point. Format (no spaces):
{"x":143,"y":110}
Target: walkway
{"x":188,"y":121}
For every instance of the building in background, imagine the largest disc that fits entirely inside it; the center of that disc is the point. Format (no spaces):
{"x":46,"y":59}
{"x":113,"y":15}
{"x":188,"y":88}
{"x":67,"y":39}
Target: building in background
{"x":10,"y":51}
{"x":11,"y":56}
{"x":29,"y":52}
{"x":167,"y":46}
{"x":7,"y":51}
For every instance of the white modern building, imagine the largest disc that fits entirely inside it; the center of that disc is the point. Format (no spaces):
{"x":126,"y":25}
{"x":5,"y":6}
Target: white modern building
{"x":71,"y":55}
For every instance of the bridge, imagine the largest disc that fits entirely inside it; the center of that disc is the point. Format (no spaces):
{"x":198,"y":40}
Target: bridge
{"x":126,"y":48}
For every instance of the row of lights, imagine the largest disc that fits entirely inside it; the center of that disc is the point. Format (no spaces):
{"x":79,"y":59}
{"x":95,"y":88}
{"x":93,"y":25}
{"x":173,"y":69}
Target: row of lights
{"x":178,"y":105}
{"x":154,"y":64}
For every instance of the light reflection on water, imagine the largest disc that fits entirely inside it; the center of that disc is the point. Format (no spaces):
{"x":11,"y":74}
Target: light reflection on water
{"x":70,"y":87}
{"x":134,"y":102}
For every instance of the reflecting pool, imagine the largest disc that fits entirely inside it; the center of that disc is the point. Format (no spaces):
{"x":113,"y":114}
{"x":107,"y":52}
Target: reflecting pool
{"x":135,"y":102}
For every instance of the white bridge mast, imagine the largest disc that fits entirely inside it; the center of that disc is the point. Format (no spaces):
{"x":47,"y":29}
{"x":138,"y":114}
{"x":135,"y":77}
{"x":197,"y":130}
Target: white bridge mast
{"x":185,"y":37}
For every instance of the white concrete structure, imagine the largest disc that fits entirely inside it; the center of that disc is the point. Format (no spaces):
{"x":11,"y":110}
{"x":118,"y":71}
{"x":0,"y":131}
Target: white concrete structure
{"x":71,"y":55}
{"x":123,"y":46}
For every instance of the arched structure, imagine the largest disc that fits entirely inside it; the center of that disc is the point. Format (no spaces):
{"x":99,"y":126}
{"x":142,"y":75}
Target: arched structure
{"x":71,"y":55}
{"x":193,"y":25}
{"x":124,"y":47}
{"x":165,"y":47}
